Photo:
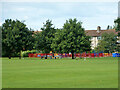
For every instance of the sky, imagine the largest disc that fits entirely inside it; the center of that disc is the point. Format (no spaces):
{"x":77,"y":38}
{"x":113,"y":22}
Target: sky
{"x":91,"y":14}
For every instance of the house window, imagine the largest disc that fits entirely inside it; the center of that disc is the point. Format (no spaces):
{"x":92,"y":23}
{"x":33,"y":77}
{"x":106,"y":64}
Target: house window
{"x":99,"y":37}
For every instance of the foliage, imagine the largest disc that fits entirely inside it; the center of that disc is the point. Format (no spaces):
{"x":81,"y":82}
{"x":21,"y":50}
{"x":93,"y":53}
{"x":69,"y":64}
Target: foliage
{"x":107,"y":43}
{"x":71,"y":38}
{"x":16,"y":37}
{"x":109,"y":27}
{"x":117,"y":22}
{"x":44,"y":38}
{"x":117,"y":25}
{"x":25,"y":53}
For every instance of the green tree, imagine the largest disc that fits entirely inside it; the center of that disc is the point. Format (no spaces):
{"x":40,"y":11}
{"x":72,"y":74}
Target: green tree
{"x":71,"y":38}
{"x":16,"y":37}
{"x":44,"y":38}
{"x":108,"y":27}
{"x":57,"y":41}
{"x":117,"y":25}
{"x":107,"y":43}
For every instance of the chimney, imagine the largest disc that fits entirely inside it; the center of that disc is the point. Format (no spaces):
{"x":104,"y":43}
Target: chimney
{"x":98,"y":29}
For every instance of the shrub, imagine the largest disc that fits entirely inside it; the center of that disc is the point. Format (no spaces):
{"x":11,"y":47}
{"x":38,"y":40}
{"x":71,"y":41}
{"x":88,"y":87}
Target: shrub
{"x":25,"y":53}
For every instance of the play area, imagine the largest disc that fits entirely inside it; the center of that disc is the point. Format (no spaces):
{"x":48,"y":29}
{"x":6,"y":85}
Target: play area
{"x":80,"y":55}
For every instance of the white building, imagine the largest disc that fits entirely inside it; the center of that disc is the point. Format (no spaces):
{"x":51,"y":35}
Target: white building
{"x":96,"y":35}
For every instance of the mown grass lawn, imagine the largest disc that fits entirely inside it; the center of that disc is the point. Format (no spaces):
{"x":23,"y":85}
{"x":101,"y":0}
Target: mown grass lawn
{"x":60,"y":73}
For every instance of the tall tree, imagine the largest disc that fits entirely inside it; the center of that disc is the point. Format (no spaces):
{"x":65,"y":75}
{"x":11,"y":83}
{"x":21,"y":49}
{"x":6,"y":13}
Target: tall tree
{"x":117,"y":25}
{"x":71,"y":39}
{"x":108,"y":27}
{"x":57,"y":44}
{"x":107,"y":43}
{"x":16,"y":37}
{"x":44,"y":38}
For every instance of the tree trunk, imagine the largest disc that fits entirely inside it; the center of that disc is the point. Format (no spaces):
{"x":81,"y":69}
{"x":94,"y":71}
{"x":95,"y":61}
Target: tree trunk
{"x":72,"y":55}
{"x":9,"y":57}
{"x":46,"y":56}
{"x":20,"y":55}
{"x":75,"y":55}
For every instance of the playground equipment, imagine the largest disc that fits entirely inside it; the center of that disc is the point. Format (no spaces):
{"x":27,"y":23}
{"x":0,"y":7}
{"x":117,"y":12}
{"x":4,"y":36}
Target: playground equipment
{"x":116,"y":54}
{"x":81,"y":55}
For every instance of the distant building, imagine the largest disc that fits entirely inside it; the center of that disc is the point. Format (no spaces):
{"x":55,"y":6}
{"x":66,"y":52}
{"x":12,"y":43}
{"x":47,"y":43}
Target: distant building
{"x":96,"y":35}
{"x":34,"y":32}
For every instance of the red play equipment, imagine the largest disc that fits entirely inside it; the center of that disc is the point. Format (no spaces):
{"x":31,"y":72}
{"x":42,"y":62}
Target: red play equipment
{"x":82,"y":55}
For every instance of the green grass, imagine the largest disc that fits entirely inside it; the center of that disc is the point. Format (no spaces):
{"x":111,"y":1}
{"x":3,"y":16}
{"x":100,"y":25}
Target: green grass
{"x":60,"y":73}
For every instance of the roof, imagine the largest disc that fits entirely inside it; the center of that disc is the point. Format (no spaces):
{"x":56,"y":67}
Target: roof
{"x":95,"y":33}
{"x":92,"y":32}
{"x":36,"y":32}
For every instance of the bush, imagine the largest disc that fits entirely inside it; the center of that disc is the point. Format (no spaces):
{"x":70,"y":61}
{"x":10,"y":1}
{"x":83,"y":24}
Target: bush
{"x":25,"y":53}
{"x":5,"y":54}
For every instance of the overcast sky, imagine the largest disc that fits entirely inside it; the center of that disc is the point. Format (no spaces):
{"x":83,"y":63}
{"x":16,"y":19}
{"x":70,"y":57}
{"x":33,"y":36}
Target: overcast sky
{"x":91,"y":14}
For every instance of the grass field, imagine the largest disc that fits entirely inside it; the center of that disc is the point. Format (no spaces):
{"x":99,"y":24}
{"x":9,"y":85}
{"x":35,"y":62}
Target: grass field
{"x":60,"y":73}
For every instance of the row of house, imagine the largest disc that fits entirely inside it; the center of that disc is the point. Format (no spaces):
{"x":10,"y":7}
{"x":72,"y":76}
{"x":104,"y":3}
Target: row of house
{"x":95,"y":35}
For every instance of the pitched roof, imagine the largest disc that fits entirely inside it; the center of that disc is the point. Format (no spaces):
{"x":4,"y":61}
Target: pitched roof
{"x":95,"y":33}
{"x":36,"y":32}
{"x":92,"y":32}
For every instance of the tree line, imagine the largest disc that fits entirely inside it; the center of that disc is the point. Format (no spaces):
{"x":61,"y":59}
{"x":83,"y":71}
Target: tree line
{"x":16,"y":37}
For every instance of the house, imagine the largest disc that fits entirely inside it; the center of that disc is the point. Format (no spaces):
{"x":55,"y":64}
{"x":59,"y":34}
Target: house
{"x":96,"y":35}
{"x":35,"y":32}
